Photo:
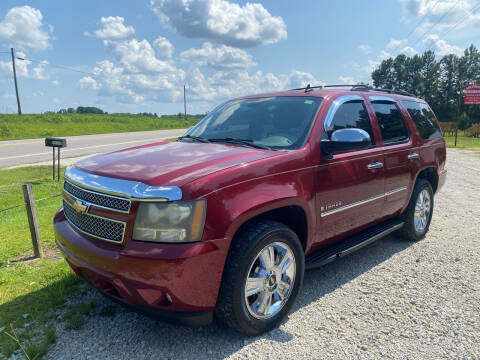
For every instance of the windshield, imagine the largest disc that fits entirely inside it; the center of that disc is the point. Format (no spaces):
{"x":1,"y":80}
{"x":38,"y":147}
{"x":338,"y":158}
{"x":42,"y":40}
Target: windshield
{"x":274,"y":122}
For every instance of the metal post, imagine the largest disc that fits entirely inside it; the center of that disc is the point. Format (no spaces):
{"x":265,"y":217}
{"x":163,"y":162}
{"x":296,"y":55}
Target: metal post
{"x":53,"y":164}
{"x":33,"y":220}
{"x":15,"y":80}
{"x":58,"y":164}
{"x":458,"y":111}
{"x":185,"y":102}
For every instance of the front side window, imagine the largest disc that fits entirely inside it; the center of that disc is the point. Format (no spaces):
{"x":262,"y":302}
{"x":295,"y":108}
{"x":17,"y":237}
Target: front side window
{"x":390,"y":120}
{"x":424,"y":119}
{"x":274,"y":122}
{"x":351,"y":114}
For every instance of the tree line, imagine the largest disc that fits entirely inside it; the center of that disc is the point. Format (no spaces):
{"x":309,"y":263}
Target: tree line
{"x":96,"y":110}
{"x":435,"y":80}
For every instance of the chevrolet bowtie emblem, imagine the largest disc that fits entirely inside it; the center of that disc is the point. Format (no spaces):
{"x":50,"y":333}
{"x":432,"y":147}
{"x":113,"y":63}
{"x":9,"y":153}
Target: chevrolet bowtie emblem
{"x":80,"y":207}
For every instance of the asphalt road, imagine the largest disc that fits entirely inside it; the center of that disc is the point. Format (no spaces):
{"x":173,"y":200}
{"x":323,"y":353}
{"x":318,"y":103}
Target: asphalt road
{"x":33,"y":151}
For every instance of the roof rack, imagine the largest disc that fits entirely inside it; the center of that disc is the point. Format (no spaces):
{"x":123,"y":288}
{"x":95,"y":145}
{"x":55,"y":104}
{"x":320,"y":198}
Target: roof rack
{"x":355,"y":87}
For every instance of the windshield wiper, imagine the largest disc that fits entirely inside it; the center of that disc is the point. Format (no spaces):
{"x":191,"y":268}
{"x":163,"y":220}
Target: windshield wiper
{"x":245,"y":142}
{"x":194,"y":138}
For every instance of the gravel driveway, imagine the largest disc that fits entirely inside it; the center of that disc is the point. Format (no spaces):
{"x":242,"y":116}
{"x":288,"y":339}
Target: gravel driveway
{"x":392,"y":299}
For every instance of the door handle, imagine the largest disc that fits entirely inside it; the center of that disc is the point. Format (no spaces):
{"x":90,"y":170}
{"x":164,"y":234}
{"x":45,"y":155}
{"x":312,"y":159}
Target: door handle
{"x":375,"y":165}
{"x":412,"y":156}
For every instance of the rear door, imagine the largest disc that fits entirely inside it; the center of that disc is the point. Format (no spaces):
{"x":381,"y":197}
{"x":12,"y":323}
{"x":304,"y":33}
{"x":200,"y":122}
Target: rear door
{"x":350,"y":185}
{"x":397,"y":148}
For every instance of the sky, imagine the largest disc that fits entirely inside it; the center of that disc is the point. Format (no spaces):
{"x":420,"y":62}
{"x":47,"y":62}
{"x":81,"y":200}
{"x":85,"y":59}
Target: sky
{"x":136,"y":56}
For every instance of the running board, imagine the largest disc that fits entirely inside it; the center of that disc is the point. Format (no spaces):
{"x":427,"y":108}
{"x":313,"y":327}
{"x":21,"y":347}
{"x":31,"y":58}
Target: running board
{"x":351,"y":244}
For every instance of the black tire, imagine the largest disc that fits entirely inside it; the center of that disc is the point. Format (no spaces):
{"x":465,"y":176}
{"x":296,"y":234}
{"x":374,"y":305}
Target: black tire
{"x":408,"y":231}
{"x":231,"y":305}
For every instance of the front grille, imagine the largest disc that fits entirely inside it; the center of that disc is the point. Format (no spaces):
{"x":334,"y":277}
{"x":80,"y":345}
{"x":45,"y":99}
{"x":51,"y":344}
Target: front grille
{"x":101,"y":228}
{"x":104,"y":200}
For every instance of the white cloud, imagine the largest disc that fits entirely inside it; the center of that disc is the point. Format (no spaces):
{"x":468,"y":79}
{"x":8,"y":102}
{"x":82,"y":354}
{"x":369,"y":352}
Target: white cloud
{"x":56,"y":100}
{"x":366,"y":49}
{"x":221,"y":21}
{"x":218,"y":57}
{"x":440,"y":46}
{"x":409,"y":51}
{"x":346,"y":79}
{"x":164,"y":47}
{"x":138,"y":56}
{"x":55,"y":82}
{"x":24,"y":69}
{"x":227,"y":85}
{"x":138,"y":71}
{"x":442,"y":13}
{"x":38,"y":93}
{"x":396,"y":43}
{"x":114,"y":29}
{"x":88,"y":82}
{"x":22,"y":28}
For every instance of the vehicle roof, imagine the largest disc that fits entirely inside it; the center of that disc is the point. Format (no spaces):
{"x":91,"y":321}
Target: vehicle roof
{"x":327,"y":92}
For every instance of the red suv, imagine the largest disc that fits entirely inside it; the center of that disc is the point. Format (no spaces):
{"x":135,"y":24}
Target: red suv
{"x":224,"y":221}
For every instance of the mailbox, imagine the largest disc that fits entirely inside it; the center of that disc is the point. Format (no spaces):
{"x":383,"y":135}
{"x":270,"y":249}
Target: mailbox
{"x":56,"y":142}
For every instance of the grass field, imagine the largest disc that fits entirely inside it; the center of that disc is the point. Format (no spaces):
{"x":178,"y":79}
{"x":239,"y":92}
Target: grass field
{"x":42,"y":125}
{"x":30,"y":290}
{"x":463,"y":142}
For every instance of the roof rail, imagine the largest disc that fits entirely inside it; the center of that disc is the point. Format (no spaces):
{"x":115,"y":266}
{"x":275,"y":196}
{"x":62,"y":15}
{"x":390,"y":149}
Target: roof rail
{"x":355,"y":87}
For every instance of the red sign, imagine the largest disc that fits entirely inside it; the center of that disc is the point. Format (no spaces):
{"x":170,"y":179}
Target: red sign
{"x":472,"y":95}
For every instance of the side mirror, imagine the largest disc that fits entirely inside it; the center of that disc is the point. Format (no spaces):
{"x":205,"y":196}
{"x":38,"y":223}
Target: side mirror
{"x":344,"y":140}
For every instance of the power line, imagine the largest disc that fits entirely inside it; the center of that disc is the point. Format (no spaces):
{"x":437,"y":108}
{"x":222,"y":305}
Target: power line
{"x":416,"y":26}
{"x":477,"y":6}
{"x":56,"y":66}
{"x":436,"y":23}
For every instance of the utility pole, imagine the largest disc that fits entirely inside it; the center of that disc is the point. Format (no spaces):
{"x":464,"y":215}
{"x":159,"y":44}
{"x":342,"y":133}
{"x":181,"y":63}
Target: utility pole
{"x":458,"y":110}
{"x":185,"y":102}
{"x":16,"y":86}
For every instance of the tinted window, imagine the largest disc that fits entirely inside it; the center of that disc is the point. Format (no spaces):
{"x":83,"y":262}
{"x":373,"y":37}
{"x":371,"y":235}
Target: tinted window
{"x":351,"y":115}
{"x":277,"y":122}
{"x":424,"y":119}
{"x":390,"y":120}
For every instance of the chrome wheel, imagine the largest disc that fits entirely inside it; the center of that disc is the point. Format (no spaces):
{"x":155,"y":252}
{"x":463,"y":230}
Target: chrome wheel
{"x":422,"y":211}
{"x":270,"y":280}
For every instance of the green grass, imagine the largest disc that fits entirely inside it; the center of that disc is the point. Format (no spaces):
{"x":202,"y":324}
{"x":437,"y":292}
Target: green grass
{"x":30,"y":291}
{"x":36,"y":290}
{"x":75,"y":315}
{"x":41,"y":125}
{"x":14,"y":230}
{"x":463,"y":142}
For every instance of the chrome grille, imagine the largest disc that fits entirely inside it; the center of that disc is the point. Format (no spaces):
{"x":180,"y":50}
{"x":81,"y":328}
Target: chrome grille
{"x":104,"y":200}
{"x":101,"y":228}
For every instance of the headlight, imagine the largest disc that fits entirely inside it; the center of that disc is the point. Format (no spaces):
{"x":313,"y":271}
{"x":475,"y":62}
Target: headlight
{"x":171,"y":222}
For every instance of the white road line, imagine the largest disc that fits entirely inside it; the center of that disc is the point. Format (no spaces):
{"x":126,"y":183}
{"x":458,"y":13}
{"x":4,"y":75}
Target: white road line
{"x":86,"y":147}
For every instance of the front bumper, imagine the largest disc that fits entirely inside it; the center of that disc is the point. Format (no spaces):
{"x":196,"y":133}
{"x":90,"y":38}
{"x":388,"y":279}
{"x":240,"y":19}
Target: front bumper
{"x":172,"y":281}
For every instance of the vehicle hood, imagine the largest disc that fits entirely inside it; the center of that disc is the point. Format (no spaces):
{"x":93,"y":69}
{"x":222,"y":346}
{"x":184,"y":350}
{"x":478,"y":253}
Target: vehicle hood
{"x":174,"y":163}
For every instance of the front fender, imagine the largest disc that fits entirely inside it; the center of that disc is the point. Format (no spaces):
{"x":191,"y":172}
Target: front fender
{"x":229,"y":208}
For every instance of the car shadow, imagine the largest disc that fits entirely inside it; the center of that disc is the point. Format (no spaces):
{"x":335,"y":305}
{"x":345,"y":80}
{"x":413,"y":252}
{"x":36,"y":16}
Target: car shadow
{"x":124,"y":328}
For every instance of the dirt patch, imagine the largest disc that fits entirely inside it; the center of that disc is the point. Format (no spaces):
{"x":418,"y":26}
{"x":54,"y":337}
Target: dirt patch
{"x":50,"y":253}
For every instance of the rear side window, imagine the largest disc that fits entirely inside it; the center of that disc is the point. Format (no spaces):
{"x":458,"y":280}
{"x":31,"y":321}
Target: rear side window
{"x":424,"y":119}
{"x":390,"y":120}
{"x":351,"y":115}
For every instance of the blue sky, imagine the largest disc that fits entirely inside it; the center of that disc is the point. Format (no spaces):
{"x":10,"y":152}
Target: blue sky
{"x":135,"y":56}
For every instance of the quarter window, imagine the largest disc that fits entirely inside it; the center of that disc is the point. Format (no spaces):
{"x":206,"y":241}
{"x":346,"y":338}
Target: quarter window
{"x":424,"y":119}
{"x":351,"y":115}
{"x":390,"y":120}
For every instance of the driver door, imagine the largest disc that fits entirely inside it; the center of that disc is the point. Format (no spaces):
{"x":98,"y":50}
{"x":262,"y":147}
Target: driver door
{"x":350,"y":185}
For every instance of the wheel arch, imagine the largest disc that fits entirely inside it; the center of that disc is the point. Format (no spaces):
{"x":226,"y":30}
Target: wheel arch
{"x":290,"y":212}
{"x":429,"y":173}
